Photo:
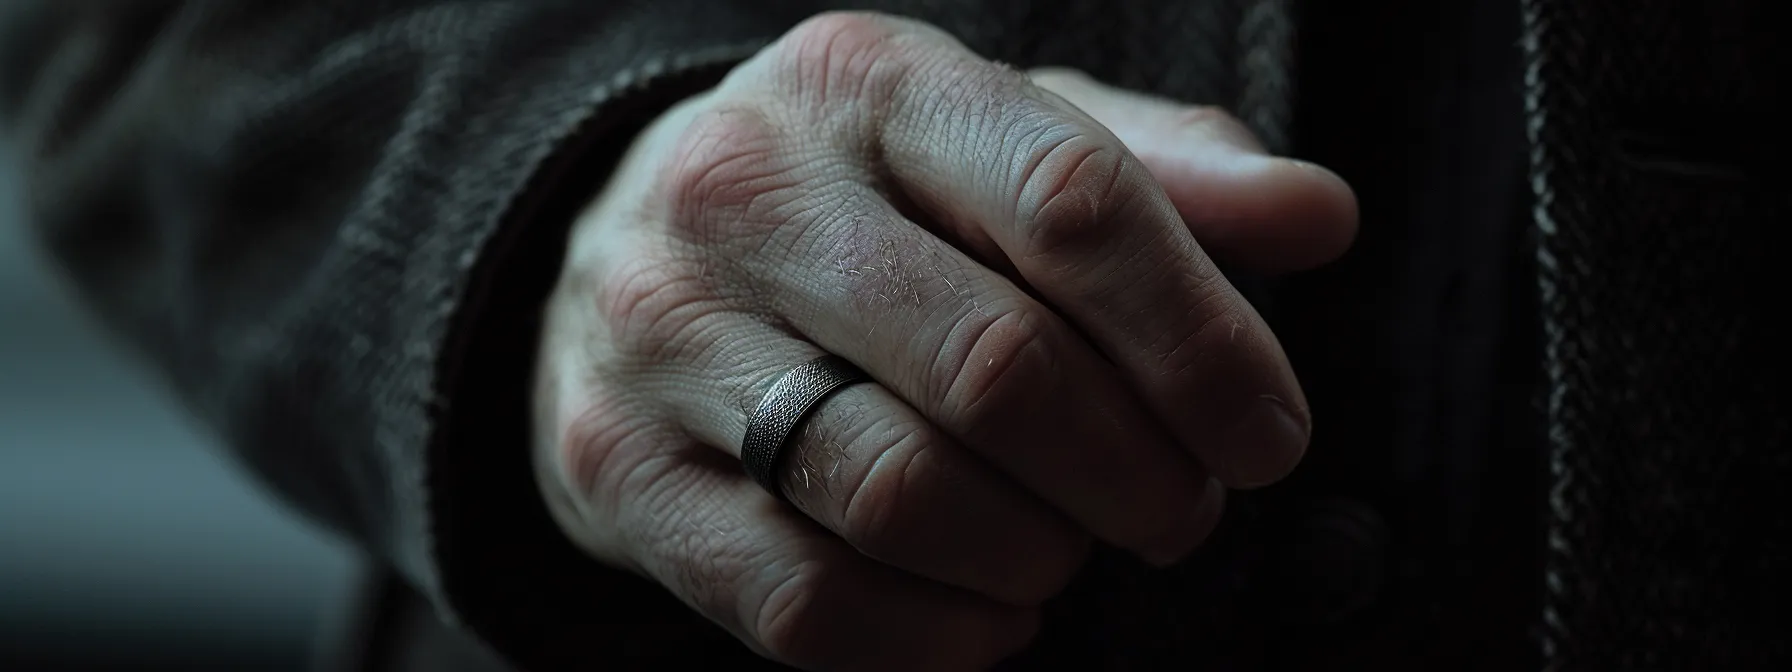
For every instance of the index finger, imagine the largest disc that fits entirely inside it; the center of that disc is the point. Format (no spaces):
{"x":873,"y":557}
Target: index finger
{"x":1014,"y":171}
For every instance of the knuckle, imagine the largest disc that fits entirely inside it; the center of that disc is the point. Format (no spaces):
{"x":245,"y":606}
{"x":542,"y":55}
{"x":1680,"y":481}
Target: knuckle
{"x":657,"y":310}
{"x":724,"y":167}
{"x":848,"y":30}
{"x":1218,"y":321}
{"x":664,"y":483}
{"x":597,"y":442}
{"x":876,"y":517}
{"x":996,"y":357}
{"x":1071,"y":185}
{"x":841,"y":54}
{"x":790,"y":622}
{"x":672,"y":527}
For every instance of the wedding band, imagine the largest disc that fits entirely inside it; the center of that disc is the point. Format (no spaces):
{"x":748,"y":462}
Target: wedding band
{"x":783,"y":408}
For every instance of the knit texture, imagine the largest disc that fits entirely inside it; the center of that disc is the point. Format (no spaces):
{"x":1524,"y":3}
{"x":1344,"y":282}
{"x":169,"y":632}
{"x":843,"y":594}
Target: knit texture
{"x":1658,"y":171}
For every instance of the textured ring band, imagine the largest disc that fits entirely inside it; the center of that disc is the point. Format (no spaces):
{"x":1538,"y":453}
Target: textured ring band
{"x":783,"y":408}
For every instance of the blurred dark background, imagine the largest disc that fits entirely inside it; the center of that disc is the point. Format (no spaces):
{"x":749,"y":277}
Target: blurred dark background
{"x":127,"y":541}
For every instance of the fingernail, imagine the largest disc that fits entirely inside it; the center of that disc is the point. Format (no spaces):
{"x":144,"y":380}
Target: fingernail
{"x":1265,"y":444}
{"x":1201,"y":523}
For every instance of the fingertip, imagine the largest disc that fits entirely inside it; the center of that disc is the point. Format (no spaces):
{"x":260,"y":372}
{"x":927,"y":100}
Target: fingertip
{"x":1331,"y":200}
{"x":1201,"y":525}
{"x":1307,"y":219}
{"x":1265,"y":213}
{"x":1265,"y":444}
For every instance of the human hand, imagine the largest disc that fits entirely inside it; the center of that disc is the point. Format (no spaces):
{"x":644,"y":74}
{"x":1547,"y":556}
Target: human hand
{"x":1013,"y":260}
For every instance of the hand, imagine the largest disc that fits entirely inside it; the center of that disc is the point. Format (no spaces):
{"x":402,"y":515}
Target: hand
{"x":1056,"y":358}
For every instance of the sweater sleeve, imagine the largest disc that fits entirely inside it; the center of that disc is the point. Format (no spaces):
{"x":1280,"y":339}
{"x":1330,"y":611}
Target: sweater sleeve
{"x":332,"y":223}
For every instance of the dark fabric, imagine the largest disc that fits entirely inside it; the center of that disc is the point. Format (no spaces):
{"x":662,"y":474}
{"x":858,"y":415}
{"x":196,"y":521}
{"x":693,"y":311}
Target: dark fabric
{"x":331,"y":223}
{"x":1660,"y":142}
{"x":1409,"y":538}
{"x":287,"y":207}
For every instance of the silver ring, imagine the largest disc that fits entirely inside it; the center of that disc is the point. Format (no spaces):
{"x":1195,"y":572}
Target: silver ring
{"x":783,"y":408}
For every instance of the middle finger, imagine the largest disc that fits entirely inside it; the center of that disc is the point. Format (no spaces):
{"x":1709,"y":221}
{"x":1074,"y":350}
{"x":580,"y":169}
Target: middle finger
{"x":966,"y":347}
{"x":1084,"y":223}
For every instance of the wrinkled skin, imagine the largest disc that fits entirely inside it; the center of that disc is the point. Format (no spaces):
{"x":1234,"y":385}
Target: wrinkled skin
{"x":1012,"y":257}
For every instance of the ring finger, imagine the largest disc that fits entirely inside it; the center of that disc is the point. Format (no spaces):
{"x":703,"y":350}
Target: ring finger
{"x":872,"y":470}
{"x":988,"y":364}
